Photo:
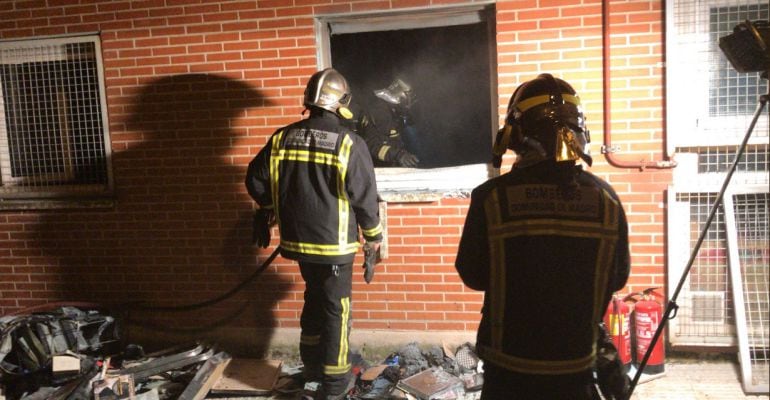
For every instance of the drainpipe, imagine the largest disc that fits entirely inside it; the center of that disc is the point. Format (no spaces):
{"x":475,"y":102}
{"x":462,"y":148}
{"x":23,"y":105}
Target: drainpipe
{"x":607,"y":148}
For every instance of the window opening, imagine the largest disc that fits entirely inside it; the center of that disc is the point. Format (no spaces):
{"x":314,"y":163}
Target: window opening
{"x":447,"y":70}
{"x":447,"y":56}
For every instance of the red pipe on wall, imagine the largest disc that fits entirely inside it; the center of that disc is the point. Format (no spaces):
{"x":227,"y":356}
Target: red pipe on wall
{"x":607,"y":147}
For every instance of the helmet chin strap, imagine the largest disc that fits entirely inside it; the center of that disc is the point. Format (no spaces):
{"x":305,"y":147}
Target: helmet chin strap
{"x":534,"y":154}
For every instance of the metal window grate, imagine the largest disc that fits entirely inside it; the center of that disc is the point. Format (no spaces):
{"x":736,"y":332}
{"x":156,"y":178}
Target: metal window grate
{"x":708,"y":102}
{"x":53,"y":136}
{"x":711,"y":107}
{"x":752,"y":224}
{"x":708,"y":281}
{"x":720,"y":158}
{"x":732,"y":93}
{"x":708,"y":307}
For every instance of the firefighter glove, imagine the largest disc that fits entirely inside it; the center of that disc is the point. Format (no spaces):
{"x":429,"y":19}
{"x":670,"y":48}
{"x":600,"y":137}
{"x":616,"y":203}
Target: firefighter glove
{"x":263,"y":219}
{"x":407,"y":159}
{"x":371,"y":257}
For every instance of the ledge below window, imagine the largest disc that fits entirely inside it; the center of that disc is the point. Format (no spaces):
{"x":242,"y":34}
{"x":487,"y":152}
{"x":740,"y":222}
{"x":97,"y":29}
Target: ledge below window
{"x":57,"y":204}
{"x":414,"y":185}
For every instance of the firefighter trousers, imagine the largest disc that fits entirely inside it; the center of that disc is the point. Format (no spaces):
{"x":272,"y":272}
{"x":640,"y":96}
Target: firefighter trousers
{"x":325,"y":324}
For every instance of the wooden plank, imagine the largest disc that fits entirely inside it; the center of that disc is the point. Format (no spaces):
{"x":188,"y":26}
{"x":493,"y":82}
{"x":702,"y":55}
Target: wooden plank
{"x":208,"y":374}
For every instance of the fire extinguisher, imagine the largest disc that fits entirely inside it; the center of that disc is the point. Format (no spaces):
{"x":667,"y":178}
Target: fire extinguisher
{"x":647,"y":316}
{"x":617,"y":320}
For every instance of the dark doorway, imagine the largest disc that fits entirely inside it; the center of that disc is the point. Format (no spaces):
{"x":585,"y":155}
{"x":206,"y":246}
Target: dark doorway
{"x":448,"y":68}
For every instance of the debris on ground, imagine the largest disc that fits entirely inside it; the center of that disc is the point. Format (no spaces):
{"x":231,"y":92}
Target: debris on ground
{"x":72,"y":354}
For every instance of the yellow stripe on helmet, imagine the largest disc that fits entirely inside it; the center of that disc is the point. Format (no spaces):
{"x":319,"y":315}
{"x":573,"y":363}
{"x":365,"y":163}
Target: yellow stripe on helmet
{"x":525,"y":105}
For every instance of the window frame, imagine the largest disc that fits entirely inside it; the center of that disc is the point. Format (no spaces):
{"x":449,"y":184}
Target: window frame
{"x":15,"y":192}
{"x":415,"y":184}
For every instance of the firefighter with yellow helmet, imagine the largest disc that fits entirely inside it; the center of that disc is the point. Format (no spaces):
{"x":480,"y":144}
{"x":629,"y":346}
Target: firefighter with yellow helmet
{"x":548,"y":244}
{"x":315,"y":179}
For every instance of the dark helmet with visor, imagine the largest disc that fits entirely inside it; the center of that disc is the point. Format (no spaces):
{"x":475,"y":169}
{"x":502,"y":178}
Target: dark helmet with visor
{"x":328,"y":89}
{"x":544,"y":121}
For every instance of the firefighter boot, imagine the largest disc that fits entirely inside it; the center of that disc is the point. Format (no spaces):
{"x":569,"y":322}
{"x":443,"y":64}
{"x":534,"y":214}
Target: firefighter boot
{"x":328,"y":393}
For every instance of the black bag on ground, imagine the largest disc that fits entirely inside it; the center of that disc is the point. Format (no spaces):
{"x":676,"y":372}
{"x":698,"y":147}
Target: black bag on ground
{"x":612,"y":382}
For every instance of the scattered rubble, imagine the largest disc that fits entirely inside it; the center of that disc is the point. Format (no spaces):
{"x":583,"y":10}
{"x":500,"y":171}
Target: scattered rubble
{"x":71,"y":354}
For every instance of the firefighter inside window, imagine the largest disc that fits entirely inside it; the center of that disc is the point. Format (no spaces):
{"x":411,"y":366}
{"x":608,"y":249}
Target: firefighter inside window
{"x":548,"y":244}
{"x":386,"y":122}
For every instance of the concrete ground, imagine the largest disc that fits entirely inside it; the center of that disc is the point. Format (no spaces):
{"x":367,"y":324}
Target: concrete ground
{"x":687,"y":379}
{"x":687,"y":376}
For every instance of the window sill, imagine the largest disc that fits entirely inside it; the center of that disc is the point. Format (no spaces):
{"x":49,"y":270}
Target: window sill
{"x":414,"y":185}
{"x":57,"y":204}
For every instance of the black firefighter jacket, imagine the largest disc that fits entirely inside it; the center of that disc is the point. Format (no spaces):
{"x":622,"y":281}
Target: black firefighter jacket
{"x":549,"y":245}
{"x":318,"y":178}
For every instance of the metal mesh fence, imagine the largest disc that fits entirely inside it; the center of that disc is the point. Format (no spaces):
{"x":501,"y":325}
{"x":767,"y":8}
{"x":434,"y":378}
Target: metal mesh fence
{"x":706,"y":311}
{"x":751,"y":219}
{"x":712,"y":106}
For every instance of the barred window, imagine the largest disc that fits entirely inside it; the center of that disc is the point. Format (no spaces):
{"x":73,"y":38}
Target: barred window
{"x":708,"y":102}
{"x":54,"y":140}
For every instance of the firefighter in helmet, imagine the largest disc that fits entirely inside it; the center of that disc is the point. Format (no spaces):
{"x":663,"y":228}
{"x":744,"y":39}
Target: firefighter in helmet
{"x":387,"y":125}
{"x":548,"y":244}
{"x":315,"y":178}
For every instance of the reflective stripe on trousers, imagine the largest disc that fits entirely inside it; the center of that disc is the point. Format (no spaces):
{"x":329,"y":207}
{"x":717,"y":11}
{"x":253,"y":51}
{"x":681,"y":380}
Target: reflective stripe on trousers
{"x":325,"y":319}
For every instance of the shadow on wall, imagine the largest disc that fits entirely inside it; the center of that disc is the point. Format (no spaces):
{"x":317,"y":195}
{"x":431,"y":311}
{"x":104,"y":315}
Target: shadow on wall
{"x":181,"y":230}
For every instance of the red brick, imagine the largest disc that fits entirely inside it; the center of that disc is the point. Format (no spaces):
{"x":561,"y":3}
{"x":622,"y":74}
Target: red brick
{"x":172,"y":219}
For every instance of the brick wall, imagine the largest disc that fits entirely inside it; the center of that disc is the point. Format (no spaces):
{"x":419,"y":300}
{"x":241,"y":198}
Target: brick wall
{"x":195,"y":88}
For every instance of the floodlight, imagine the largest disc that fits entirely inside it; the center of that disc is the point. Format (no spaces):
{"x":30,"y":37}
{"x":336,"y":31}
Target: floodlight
{"x":748,"y":47}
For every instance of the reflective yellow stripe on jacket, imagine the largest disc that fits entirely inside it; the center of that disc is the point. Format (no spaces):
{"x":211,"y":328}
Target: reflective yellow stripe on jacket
{"x":339,"y":161}
{"x":606,"y":231}
{"x":373,"y":231}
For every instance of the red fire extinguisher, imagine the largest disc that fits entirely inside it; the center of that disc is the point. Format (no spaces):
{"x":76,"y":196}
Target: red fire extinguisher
{"x":647,"y":316}
{"x":617,"y":320}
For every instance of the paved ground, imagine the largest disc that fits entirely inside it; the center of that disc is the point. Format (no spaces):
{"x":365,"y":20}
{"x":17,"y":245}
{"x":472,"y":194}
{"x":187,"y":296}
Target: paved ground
{"x":683,"y":379}
{"x":695,"y":380}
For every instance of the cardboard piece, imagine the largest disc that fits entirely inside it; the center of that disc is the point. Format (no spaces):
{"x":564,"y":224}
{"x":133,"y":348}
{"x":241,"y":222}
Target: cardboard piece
{"x":372,"y":373}
{"x":65,"y":364}
{"x":248,"y":377}
{"x":430,"y":384}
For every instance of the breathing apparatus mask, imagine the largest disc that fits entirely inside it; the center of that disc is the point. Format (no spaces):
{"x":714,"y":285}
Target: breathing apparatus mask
{"x":544,"y":121}
{"x":398,"y":95}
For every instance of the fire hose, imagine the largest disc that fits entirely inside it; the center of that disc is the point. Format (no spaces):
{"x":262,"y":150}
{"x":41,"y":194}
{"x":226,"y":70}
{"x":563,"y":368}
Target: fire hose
{"x":370,"y":259}
{"x":215,"y":300}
